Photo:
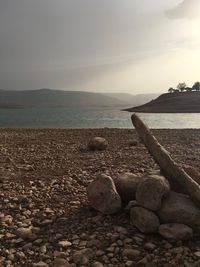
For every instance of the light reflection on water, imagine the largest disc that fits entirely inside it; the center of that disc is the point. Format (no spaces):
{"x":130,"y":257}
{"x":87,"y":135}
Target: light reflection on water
{"x":91,"y":118}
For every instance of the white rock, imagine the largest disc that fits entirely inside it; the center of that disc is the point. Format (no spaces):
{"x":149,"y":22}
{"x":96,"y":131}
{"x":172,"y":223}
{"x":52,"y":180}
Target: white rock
{"x":64,"y":243}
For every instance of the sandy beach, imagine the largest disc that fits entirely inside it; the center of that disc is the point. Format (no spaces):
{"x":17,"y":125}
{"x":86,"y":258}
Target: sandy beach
{"x":43,"y":180}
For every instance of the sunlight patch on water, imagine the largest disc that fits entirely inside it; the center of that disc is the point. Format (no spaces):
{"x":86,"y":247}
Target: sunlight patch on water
{"x":91,"y":118}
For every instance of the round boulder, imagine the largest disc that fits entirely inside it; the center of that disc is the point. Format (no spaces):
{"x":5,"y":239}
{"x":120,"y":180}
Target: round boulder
{"x":102,"y":195}
{"x":179,"y":208}
{"x":175,"y":231}
{"x":97,"y":143}
{"x":145,"y":220}
{"x":150,"y":191}
{"x":126,"y":185}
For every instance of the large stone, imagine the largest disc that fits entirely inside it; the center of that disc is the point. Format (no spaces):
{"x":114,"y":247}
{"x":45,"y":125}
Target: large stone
{"x":151,"y":190}
{"x":102,"y":195}
{"x":145,"y":220}
{"x":126,"y":185}
{"x":98,"y":143}
{"x":175,"y":231}
{"x":179,"y":208}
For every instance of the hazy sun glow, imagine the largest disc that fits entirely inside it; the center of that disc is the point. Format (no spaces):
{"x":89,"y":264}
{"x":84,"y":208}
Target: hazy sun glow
{"x":127,"y":46}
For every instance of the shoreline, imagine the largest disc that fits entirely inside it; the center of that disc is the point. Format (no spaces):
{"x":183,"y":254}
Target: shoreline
{"x":87,"y":128}
{"x":43,"y":178}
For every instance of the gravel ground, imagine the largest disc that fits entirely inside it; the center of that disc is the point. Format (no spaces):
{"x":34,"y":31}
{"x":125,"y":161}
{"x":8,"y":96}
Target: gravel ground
{"x":45,"y":219}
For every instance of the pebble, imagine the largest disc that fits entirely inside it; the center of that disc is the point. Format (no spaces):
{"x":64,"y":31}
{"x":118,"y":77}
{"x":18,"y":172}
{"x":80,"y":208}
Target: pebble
{"x":83,"y":256}
{"x":60,"y":262}
{"x":120,"y":229}
{"x":25,"y":233}
{"x":149,"y":246}
{"x":131,"y":253}
{"x":38,"y":241}
{"x":143,"y":262}
{"x":60,"y":254}
{"x":82,"y":243}
{"x":97,"y":264}
{"x":197,"y":253}
{"x":64,"y":244}
{"x":137,"y":240}
{"x":40,"y":264}
{"x":100,"y":253}
{"x":43,"y":249}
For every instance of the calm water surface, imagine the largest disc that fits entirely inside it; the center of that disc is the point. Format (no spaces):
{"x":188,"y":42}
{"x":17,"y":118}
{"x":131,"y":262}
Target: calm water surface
{"x":91,"y":118}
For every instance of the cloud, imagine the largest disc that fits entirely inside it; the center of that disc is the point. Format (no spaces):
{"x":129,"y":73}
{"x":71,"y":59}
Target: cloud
{"x":91,"y":44}
{"x":186,"y":9}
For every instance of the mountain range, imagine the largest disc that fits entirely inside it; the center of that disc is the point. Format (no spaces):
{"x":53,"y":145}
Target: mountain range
{"x":59,"y":98}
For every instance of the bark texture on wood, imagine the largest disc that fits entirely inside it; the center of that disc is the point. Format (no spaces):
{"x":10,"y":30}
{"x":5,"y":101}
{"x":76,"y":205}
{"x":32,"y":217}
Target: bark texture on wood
{"x":168,"y":166}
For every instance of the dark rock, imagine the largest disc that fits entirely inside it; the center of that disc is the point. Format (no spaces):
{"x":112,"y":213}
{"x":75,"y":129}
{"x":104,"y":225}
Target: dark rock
{"x":126,"y":185}
{"x":102,"y":195}
{"x":145,"y":220}
{"x":83,"y":256}
{"x":176,"y":231}
{"x":150,"y":191}
{"x":179,"y":208}
{"x":59,"y":262}
{"x":131,"y":254}
{"x":97,"y":143}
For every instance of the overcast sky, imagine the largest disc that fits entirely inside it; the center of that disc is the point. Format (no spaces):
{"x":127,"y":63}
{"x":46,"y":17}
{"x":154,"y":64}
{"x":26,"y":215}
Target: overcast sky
{"x":135,"y":46}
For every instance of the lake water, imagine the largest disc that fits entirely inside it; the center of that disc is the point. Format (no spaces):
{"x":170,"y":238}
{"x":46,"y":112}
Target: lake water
{"x":91,"y":118}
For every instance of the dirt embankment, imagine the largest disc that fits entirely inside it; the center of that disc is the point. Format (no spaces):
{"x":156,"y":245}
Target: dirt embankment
{"x":43,"y":179}
{"x":186,"y":102}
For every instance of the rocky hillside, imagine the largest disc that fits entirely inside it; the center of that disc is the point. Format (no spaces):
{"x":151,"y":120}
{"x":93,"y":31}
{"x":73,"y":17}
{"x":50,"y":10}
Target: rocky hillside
{"x":55,"y":98}
{"x":134,"y":100}
{"x":58,"y":98}
{"x":187,"y":102}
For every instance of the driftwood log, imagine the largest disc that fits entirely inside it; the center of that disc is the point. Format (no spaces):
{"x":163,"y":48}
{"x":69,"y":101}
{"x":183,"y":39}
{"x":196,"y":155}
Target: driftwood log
{"x":168,"y":166}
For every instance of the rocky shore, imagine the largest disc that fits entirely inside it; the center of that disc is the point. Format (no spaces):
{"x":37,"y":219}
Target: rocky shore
{"x":45,"y":219}
{"x":182,"y":102}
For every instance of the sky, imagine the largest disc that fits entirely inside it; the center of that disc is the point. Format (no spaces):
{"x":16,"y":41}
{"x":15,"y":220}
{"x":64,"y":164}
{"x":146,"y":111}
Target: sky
{"x":134,"y":46}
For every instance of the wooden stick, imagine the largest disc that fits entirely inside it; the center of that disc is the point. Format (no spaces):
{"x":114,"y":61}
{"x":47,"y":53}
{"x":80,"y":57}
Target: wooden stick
{"x":167,"y":165}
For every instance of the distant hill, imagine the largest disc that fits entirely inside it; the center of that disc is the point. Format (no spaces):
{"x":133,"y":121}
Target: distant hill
{"x":134,"y":100}
{"x":58,"y":98}
{"x":55,"y":98}
{"x":185,"y":102}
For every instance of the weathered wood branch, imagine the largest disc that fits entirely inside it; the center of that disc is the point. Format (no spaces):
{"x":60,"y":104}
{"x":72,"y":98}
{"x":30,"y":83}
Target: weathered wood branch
{"x":168,"y":166}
